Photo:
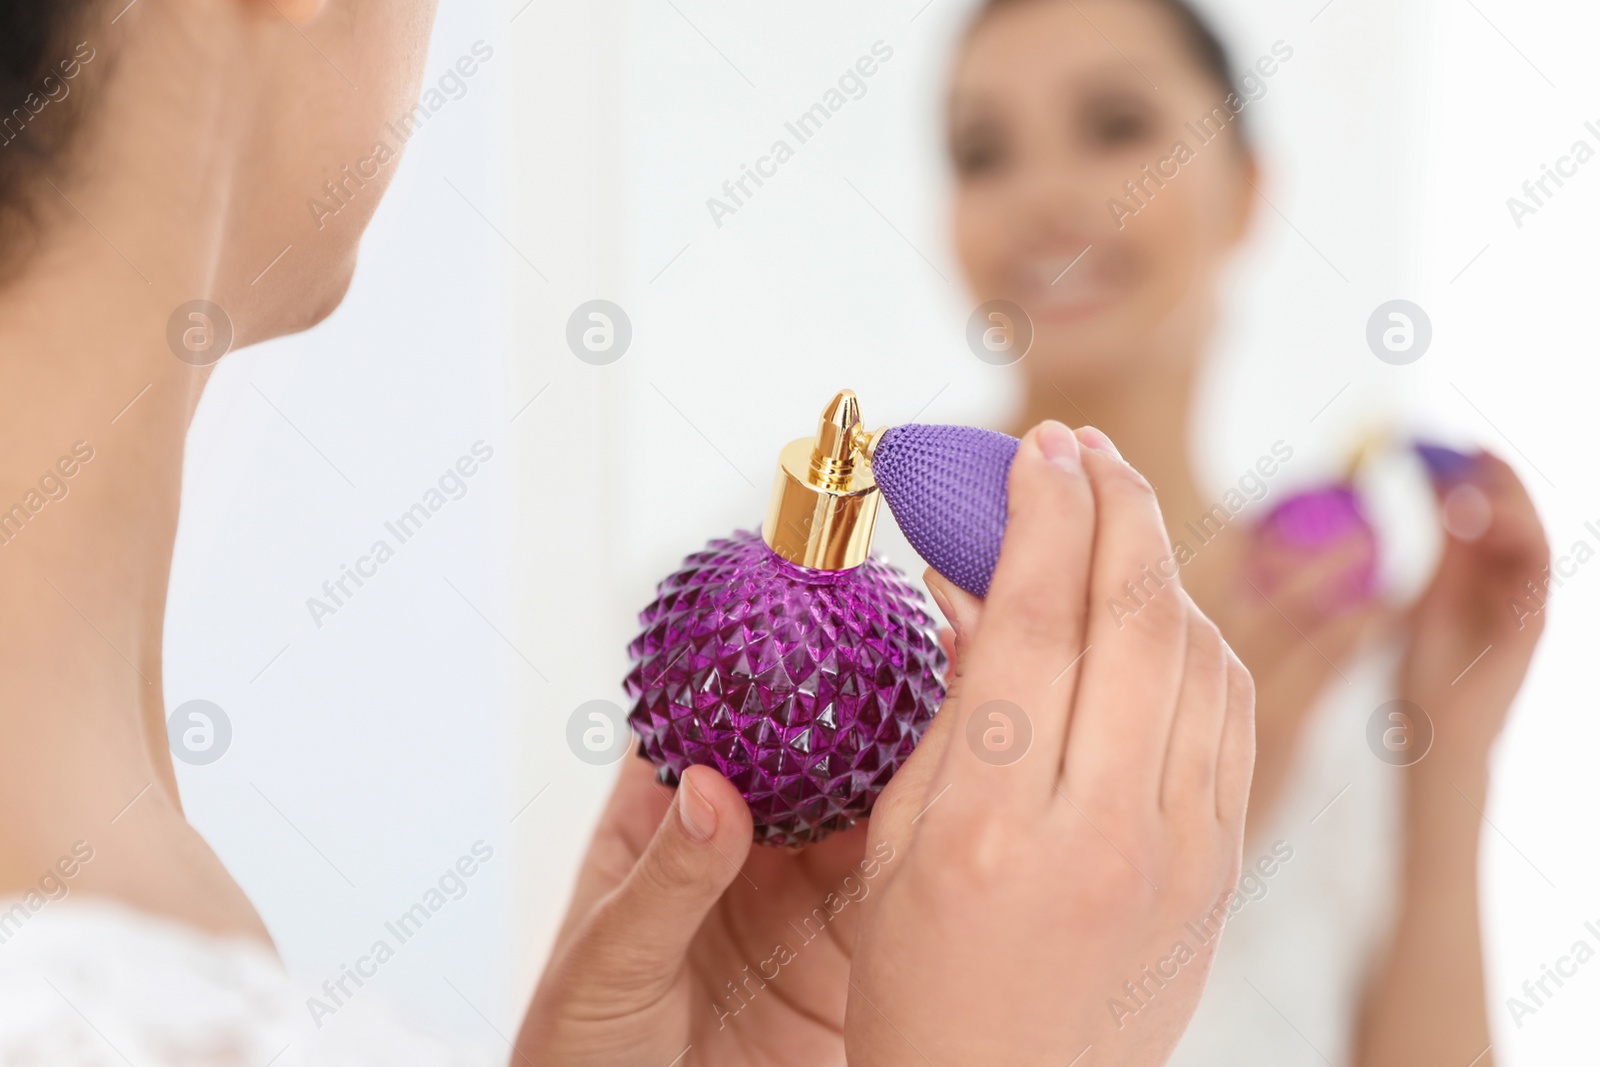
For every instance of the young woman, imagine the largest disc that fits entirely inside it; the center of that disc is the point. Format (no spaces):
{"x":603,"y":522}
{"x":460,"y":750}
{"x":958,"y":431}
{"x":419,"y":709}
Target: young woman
{"x":157,"y":154}
{"x":1075,"y":201}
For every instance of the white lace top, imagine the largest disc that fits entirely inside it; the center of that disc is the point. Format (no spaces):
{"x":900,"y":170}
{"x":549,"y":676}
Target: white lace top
{"x":1286,"y":987}
{"x":86,"y":983}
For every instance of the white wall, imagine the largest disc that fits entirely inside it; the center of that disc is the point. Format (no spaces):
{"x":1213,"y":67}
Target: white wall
{"x":369,"y":753}
{"x":1517,"y":369}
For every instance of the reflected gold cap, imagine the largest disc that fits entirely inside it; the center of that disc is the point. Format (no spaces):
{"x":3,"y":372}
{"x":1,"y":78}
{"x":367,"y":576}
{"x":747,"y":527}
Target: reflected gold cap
{"x":825,"y":498}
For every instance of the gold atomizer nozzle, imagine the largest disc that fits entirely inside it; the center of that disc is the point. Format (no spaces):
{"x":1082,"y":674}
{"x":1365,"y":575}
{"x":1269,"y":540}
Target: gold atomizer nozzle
{"x":1373,"y":442}
{"x":825,"y":499}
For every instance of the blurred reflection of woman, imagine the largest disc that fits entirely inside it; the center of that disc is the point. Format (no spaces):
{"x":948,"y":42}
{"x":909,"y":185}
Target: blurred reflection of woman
{"x":1357,"y":937}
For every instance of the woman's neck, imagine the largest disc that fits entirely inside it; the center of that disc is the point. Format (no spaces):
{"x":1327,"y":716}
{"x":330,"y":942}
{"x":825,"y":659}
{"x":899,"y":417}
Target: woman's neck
{"x":1148,"y":421}
{"x":94,"y":409}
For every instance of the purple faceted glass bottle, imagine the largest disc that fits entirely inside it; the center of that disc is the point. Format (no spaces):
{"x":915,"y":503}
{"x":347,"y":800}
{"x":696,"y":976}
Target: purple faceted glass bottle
{"x":795,"y":663}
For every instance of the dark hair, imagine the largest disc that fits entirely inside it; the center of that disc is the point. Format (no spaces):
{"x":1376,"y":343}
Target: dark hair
{"x":1202,"y":40}
{"x":35,"y":39}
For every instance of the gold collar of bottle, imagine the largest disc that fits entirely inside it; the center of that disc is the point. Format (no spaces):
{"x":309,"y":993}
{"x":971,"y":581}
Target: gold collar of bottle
{"x":825,"y":499}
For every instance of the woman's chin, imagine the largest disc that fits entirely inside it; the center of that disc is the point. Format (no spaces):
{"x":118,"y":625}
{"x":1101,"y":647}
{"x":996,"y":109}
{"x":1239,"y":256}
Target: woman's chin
{"x":330,"y":295}
{"x":311,"y":301}
{"x":1083,"y":349}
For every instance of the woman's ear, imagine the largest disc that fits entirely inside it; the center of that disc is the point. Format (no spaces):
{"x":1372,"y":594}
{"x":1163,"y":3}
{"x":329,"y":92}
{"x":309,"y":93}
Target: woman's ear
{"x":298,"y":12}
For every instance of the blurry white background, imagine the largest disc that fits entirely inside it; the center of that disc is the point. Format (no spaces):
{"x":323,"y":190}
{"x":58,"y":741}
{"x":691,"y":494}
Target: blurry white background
{"x":370,"y":753}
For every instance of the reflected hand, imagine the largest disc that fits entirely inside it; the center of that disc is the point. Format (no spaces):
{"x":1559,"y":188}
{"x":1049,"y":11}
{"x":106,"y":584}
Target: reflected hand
{"x":1479,"y":604}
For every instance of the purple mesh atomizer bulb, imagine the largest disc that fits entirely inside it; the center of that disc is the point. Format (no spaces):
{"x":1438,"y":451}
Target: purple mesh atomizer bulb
{"x":797,"y":664}
{"x":946,"y":486}
{"x":1446,"y":466}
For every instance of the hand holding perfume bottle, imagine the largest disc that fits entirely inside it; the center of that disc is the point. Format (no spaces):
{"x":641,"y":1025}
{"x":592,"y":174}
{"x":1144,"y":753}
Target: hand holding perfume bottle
{"x":980,"y":916}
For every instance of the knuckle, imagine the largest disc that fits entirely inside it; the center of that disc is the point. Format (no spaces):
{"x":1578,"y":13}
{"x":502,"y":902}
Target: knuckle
{"x":1241,"y":683}
{"x":1208,"y":651}
{"x":1159,"y":616}
{"x":981,"y":853}
{"x":1121,"y":482}
{"x":664,"y":870}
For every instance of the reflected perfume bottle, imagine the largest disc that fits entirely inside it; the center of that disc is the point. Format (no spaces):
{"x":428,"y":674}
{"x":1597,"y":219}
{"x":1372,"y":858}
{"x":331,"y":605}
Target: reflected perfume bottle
{"x":795,"y":662}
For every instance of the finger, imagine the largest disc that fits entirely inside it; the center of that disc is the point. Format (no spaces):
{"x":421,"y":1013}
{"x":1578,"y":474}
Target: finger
{"x":921,"y":782}
{"x":1189,"y":780}
{"x":1032,"y":625}
{"x":637,"y":803}
{"x":914,"y":785}
{"x":1138,"y":617}
{"x":643,"y":929}
{"x":1236,"y":755}
{"x":961,"y":609}
{"x":1514,"y":529}
{"x":1465,"y":512}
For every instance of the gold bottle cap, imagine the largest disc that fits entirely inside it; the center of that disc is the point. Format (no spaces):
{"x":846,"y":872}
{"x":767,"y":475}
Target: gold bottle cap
{"x":1374,"y":441}
{"x":825,"y":498}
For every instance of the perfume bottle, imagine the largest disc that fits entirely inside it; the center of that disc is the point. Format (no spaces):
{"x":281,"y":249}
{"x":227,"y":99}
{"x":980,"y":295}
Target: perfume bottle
{"x":796,"y":663}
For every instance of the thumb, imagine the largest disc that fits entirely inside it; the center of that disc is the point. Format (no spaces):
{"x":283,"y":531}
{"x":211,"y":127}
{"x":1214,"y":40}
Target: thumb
{"x":641,"y":933}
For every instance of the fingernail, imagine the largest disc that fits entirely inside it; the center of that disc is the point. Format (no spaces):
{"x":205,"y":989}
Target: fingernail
{"x":1467,"y":513}
{"x":699,"y":818}
{"x":1090,"y":437}
{"x":943,"y":600}
{"x":1058,"y":445}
